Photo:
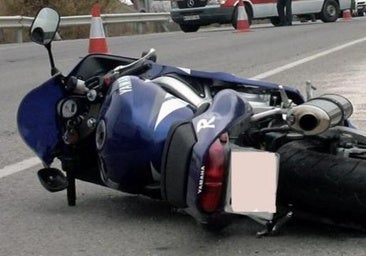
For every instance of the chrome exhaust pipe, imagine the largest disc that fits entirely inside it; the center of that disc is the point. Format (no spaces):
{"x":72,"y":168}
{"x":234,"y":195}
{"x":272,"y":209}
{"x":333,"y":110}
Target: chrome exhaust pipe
{"x":319,"y":114}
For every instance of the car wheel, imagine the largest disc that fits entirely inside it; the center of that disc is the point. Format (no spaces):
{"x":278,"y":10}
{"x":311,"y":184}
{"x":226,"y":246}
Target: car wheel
{"x":330,"y":11}
{"x":235,"y":15}
{"x":189,"y":28}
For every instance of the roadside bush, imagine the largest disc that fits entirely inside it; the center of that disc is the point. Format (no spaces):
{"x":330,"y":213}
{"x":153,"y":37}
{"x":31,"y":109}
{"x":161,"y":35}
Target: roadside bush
{"x":70,"y":8}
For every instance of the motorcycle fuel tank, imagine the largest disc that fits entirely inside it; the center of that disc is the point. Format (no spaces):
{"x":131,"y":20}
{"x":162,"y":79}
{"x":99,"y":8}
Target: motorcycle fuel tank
{"x":133,"y":124}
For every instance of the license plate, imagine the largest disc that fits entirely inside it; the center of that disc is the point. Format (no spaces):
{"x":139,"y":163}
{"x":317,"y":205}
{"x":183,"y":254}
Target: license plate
{"x":191,"y":17}
{"x":252,"y":184}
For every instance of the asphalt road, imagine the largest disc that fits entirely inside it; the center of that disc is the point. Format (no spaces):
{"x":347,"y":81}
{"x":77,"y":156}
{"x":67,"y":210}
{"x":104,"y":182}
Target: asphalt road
{"x":106,"y":222}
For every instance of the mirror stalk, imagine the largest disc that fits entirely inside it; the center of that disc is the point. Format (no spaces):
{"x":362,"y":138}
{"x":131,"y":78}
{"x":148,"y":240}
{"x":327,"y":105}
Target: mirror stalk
{"x":54,"y":70}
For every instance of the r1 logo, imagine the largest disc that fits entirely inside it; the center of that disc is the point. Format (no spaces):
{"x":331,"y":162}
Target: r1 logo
{"x":205,"y":123}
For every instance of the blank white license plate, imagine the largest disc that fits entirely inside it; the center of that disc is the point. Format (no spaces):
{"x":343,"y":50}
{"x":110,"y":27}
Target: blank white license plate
{"x":191,"y":17}
{"x":252,"y":184}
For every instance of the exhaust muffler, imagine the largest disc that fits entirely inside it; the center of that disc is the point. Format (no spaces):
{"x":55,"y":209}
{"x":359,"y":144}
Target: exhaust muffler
{"x":319,"y":114}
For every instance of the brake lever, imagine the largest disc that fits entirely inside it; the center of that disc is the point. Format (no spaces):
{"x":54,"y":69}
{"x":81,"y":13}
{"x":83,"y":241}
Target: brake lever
{"x":144,"y":58}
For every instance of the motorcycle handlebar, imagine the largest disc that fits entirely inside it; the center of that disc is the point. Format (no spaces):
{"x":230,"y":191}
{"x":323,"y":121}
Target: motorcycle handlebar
{"x":76,"y":85}
{"x":137,"y":63}
{"x":79,"y":86}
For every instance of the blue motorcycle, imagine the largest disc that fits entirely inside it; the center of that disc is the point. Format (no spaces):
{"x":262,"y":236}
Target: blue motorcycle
{"x":211,"y":144}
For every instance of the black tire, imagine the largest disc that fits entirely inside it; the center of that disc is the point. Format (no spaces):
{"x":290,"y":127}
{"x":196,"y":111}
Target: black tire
{"x":322,"y":184}
{"x":189,"y":28}
{"x":330,"y":11}
{"x":249,"y":12}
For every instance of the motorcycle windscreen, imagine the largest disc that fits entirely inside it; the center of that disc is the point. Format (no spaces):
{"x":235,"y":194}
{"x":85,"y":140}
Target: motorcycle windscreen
{"x":37,"y":119}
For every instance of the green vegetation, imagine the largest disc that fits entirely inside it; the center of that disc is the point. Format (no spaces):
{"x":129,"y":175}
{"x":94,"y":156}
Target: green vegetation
{"x":65,"y":7}
{"x":70,"y":8}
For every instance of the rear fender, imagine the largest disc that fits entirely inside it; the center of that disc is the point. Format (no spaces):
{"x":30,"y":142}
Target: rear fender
{"x":228,"y":108}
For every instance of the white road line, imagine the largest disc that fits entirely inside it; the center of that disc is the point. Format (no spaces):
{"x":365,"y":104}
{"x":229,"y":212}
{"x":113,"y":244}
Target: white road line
{"x":20,"y":166}
{"x":31,"y":162}
{"x":307,"y":59}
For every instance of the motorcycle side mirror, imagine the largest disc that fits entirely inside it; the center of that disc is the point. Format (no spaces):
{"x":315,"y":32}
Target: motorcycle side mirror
{"x":43,"y":30}
{"x":44,"y":26}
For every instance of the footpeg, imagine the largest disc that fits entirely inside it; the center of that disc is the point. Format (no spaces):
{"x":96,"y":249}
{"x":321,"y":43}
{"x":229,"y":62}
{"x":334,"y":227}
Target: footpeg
{"x":52,"y":179}
{"x":273,"y":227}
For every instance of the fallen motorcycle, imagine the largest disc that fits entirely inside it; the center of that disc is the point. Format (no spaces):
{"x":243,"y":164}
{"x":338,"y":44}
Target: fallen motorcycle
{"x":209,"y":143}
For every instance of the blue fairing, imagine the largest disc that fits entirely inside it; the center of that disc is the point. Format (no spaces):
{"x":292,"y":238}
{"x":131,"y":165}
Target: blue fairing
{"x":36,"y":119}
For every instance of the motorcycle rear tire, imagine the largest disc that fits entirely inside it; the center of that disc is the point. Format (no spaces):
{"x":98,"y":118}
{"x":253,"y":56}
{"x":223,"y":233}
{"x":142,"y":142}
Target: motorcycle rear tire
{"x":322,"y":184}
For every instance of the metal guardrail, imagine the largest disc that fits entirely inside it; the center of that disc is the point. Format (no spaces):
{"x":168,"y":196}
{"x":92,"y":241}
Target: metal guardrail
{"x":20,"y":22}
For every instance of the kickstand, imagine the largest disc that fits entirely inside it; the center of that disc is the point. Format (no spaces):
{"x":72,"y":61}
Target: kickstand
{"x":71,"y":188}
{"x":273,"y":227}
{"x":69,"y":166}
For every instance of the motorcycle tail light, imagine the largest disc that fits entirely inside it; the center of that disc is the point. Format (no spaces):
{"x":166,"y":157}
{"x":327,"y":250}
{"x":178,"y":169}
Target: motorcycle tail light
{"x":213,"y":179}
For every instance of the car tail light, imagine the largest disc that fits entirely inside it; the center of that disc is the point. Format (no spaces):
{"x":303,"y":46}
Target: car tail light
{"x":213,"y":178}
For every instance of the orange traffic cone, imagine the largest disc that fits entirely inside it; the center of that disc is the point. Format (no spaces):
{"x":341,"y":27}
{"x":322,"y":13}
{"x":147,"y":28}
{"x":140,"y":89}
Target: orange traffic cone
{"x":97,"y":41}
{"x":242,"y":24}
{"x":347,"y":15}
